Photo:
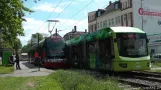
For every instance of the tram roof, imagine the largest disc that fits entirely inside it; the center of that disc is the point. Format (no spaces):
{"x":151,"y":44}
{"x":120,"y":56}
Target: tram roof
{"x":126,"y":30}
{"x":103,"y":33}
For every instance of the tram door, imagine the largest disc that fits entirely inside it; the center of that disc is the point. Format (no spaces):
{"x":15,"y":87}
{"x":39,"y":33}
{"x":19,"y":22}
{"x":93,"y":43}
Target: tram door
{"x":106,"y":52}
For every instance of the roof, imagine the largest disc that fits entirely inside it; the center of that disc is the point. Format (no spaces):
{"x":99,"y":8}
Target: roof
{"x":126,"y":30}
{"x":74,"y":32}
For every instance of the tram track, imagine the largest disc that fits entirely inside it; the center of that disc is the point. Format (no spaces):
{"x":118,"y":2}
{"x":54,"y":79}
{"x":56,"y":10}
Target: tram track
{"x":141,"y":80}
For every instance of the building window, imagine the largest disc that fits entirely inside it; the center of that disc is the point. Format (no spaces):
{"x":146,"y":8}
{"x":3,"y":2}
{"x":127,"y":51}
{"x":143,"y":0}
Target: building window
{"x":106,"y":23}
{"x":129,"y":16}
{"x":126,"y":5}
{"x":116,"y":6}
{"x":129,"y":2}
{"x":70,"y":37}
{"x":119,"y":19}
{"x":93,"y":27}
{"x":109,"y":22}
{"x":112,"y":21}
{"x":124,"y":17}
{"x":122,"y":5}
{"x":100,"y":25}
{"x":116,"y":19}
{"x":97,"y":25}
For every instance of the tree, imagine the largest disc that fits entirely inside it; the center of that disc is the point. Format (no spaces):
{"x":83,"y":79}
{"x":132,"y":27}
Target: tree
{"x":40,"y":36}
{"x":34,"y":1}
{"x":27,"y":47}
{"x":11,"y":18}
{"x":17,"y":45}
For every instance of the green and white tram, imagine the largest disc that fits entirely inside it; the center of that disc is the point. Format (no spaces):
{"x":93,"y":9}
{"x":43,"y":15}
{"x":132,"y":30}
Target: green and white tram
{"x":113,"y":48}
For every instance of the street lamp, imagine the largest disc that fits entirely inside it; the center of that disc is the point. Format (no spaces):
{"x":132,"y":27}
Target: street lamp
{"x":50,"y":30}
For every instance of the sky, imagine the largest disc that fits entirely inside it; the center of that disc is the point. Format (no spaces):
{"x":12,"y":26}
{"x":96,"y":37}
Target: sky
{"x":68,"y":12}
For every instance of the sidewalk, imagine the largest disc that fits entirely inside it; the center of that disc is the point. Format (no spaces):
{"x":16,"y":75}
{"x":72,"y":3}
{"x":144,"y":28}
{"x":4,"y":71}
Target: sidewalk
{"x":27,"y":70}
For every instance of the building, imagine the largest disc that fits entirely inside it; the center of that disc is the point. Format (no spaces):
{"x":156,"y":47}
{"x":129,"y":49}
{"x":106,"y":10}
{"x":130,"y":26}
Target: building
{"x":92,"y":16}
{"x":155,"y":43}
{"x":74,"y":33}
{"x":143,"y":14}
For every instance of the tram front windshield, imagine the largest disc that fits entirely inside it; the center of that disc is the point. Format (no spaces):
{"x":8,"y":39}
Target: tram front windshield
{"x":55,"y":47}
{"x":132,"y":44}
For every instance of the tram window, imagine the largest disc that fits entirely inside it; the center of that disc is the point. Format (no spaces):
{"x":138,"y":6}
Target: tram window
{"x":132,"y":44}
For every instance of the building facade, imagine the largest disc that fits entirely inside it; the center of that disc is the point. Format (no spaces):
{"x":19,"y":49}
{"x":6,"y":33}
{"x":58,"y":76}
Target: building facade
{"x":74,"y":33}
{"x":92,"y":19}
{"x":143,"y":14}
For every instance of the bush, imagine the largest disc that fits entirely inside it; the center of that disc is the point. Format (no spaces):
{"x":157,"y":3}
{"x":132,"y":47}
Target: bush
{"x":81,"y":80}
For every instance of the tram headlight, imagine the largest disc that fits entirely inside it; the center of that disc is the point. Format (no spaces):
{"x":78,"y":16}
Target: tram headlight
{"x":123,"y":65}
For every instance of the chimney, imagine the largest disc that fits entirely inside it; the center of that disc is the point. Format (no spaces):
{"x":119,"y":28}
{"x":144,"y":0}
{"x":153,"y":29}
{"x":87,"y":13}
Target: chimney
{"x":75,"y":28}
{"x":110,"y":2}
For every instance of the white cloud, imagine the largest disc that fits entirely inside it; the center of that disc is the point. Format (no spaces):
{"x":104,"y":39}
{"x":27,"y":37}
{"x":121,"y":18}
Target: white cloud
{"x":32,"y":26}
{"x":47,"y":7}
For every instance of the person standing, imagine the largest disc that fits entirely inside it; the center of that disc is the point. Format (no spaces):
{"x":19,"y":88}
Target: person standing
{"x":17,"y":62}
{"x":36,"y":58}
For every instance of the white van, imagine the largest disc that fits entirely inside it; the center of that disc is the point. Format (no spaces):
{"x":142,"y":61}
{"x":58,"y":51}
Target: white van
{"x":156,"y":58}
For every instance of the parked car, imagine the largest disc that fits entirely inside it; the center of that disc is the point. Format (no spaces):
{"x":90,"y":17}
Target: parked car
{"x":156,"y":58}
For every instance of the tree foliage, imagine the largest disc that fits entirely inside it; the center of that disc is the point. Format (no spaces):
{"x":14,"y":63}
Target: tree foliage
{"x":17,"y":45}
{"x":11,"y":18}
{"x":34,"y":0}
{"x":27,"y":47}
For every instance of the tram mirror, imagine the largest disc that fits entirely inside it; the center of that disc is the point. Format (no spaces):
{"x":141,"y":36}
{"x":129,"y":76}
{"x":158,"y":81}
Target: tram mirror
{"x":115,"y":40}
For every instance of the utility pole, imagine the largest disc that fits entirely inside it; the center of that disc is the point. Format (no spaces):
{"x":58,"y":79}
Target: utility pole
{"x":142,"y":16}
{"x":38,"y":51}
{"x":85,"y":47}
{"x":30,"y":48}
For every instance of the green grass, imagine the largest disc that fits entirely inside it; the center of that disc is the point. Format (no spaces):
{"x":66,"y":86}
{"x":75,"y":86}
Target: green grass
{"x":61,"y":80}
{"x":156,"y":64}
{"x":156,"y":67}
{"x":6,"y":69}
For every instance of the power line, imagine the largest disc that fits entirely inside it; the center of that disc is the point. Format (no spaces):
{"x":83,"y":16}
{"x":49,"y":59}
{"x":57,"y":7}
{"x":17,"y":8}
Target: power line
{"x":65,"y":8}
{"x":80,"y":19}
{"x":78,"y":12}
{"x":75,"y":23}
{"x":50,"y":14}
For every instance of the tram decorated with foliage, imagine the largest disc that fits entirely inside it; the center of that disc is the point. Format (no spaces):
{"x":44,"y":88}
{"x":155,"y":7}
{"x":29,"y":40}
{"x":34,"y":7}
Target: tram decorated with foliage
{"x":50,"y":52}
{"x":110,"y":49}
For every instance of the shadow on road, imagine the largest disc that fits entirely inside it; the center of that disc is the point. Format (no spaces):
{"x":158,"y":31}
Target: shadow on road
{"x":30,"y":66}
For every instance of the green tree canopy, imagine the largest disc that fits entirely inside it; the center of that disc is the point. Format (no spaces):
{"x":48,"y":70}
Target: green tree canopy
{"x":11,"y":18}
{"x":27,"y":47}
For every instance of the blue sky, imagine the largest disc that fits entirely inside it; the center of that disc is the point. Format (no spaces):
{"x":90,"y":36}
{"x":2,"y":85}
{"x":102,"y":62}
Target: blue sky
{"x":45,"y":9}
